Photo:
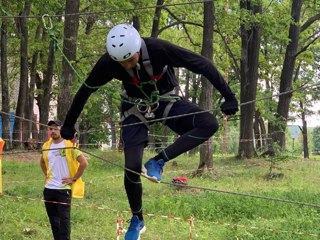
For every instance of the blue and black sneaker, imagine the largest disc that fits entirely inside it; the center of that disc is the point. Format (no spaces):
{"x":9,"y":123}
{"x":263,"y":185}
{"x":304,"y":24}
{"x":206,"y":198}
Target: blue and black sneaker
{"x":152,"y":170}
{"x":135,"y":229}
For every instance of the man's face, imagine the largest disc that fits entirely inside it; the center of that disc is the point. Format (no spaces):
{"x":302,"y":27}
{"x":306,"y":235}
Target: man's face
{"x":131,"y":62}
{"x":54,"y":131}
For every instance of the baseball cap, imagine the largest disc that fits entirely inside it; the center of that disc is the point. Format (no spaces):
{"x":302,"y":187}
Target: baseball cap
{"x":56,"y":122}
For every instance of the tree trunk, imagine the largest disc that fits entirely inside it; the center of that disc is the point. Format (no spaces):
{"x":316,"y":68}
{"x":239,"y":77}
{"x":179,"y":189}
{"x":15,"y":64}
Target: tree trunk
{"x":31,"y":128}
{"x":5,"y":106}
{"x":207,"y":88}
{"x":263,"y":132}
{"x":195,"y":86}
{"x":156,"y":19}
{"x":260,"y":132}
{"x":44,"y":98}
{"x":257,"y":132}
{"x":268,"y":140}
{"x":136,"y":22}
{"x":250,"y":47}
{"x":279,"y":127}
{"x":187,"y":90}
{"x":304,"y":131}
{"x":22,"y":97}
{"x":71,"y":26}
{"x":84,"y":136}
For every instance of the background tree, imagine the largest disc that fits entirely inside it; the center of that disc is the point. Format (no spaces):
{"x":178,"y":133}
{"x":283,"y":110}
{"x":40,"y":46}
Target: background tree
{"x":250,"y":48}
{"x":22,"y":28}
{"x":286,"y":78}
{"x":5,"y":106}
{"x":181,"y":24}
{"x":32,"y":128}
{"x":44,"y":85}
{"x":70,"y":38}
{"x":156,"y":19}
{"x":206,"y":96}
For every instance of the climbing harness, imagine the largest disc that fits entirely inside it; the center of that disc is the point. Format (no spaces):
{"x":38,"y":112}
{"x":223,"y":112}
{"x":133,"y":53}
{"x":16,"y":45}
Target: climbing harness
{"x":145,"y":108}
{"x":143,"y":111}
{"x":147,"y":65}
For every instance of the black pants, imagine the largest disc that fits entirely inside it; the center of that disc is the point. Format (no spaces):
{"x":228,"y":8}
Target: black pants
{"x":58,"y":208}
{"x":193,"y":129}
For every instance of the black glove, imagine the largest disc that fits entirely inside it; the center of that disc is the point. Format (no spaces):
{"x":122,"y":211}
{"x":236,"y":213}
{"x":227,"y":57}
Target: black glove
{"x":68,"y":132}
{"x":230,"y":106}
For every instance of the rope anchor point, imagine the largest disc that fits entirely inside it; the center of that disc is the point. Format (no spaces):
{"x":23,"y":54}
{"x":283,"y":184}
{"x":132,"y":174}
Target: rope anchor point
{"x":47,"y":27}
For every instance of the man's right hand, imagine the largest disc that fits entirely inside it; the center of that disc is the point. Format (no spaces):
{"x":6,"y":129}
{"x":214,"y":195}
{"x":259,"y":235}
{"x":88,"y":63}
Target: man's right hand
{"x":230,"y":106}
{"x":67,"y":132}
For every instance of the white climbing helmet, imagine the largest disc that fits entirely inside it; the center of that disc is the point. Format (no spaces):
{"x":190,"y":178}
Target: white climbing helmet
{"x":123,"y":41}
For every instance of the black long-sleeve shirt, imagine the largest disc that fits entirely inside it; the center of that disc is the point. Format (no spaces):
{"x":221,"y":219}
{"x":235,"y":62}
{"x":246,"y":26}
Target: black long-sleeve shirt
{"x":162,"y":53}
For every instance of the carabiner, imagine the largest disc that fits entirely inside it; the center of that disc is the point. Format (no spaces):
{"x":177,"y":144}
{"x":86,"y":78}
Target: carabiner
{"x":44,"y":22}
{"x":140,"y":105}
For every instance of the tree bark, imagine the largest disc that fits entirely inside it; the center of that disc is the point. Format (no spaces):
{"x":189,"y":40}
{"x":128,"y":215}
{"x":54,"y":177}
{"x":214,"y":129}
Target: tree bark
{"x":279,"y":127}
{"x":250,"y":47}
{"x":71,"y":26}
{"x":136,"y":22}
{"x":31,"y":127}
{"x":84,"y":137}
{"x":206,"y":96}
{"x":5,"y":106}
{"x":263,"y":133}
{"x":195,"y":86}
{"x":44,"y":98}
{"x":156,"y":19}
{"x":257,"y":132}
{"x":304,"y":131}
{"x":187,"y":87}
{"x":22,"y":97}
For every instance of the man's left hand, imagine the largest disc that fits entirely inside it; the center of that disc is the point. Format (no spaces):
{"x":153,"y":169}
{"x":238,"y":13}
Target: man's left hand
{"x":230,"y":106}
{"x":67,"y":181}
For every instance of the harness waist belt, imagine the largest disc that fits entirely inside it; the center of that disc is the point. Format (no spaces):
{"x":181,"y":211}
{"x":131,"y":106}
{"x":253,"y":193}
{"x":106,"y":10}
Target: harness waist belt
{"x":162,"y":97}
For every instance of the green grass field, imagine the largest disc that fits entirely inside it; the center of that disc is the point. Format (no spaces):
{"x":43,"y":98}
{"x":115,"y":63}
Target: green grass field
{"x":215,"y":215}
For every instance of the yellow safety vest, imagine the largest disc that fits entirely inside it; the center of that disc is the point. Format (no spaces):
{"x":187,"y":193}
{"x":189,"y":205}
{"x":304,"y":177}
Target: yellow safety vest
{"x":77,"y":188}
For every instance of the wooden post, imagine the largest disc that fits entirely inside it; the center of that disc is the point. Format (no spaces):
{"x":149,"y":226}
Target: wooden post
{"x":1,"y":147}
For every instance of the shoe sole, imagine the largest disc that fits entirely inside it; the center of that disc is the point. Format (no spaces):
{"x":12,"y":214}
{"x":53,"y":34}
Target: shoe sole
{"x":142,"y":231}
{"x":152,"y":179}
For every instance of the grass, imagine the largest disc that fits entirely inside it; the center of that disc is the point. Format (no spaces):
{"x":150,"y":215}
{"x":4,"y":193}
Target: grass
{"x":217,"y":216}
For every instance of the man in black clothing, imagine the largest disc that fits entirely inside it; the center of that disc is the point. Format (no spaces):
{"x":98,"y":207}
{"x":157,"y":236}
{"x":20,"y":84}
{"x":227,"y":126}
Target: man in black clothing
{"x":146,"y":68}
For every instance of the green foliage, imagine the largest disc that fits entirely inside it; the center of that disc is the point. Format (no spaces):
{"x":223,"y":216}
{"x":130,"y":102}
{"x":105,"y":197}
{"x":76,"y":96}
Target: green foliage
{"x":186,"y":30}
{"x":230,"y":142}
{"x":102,"y":108}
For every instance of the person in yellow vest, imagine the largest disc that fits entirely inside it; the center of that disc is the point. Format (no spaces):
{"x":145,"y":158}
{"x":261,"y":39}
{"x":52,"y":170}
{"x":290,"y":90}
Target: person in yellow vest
{"x":63,"y":166}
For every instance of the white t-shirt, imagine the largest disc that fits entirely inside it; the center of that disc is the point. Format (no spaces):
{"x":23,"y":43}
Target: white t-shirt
{"x":57,"y":166}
